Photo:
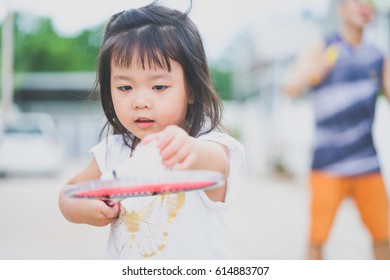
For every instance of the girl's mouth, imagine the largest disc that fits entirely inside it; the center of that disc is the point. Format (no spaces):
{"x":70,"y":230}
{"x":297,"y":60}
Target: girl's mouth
{"x":144,"y":122}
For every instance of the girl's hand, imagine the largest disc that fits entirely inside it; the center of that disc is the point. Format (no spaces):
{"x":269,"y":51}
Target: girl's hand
{"x":88,"y":211}
{"x":176,"y":147}
{"x":183,"y":152}
{"x":101,"y":214}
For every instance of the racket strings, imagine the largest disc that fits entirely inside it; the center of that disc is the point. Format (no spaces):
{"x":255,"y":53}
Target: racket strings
{"x":148,"y":184}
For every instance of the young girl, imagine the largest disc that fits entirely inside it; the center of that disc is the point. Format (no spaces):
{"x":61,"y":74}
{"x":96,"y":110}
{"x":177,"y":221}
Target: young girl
{"x":155,"y":87}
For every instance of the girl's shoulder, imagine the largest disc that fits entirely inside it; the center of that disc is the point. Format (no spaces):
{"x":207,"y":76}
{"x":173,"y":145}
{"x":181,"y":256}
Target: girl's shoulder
{"x":236,"y":150}
{"x":222,"y":138}
{"x":108,"y":142}
{"x":110,"y":151}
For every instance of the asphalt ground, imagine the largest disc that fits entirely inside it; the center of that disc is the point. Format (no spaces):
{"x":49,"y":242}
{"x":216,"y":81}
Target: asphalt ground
{"x":270,"y":221}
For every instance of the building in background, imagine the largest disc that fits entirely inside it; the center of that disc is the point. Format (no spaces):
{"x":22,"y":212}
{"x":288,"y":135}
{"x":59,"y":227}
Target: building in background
{"x":64,"y":96}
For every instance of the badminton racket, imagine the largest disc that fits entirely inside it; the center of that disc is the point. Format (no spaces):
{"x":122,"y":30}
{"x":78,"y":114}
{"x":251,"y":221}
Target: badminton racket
{"x":146,"y":185}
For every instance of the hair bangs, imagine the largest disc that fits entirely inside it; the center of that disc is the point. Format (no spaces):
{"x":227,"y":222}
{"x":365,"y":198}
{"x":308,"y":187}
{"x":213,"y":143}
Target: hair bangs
{"x":150,"y":46}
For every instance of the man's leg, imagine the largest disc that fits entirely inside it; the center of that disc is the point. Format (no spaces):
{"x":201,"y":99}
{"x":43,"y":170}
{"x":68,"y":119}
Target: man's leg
{"x":327,"y":192}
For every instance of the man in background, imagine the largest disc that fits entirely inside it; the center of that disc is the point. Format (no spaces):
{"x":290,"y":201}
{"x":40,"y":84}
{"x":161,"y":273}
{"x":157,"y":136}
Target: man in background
{"x":344,"y":75}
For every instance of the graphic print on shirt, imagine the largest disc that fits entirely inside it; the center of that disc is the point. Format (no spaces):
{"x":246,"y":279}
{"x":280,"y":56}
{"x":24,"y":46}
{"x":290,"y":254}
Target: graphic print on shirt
{"x":143,"y":225}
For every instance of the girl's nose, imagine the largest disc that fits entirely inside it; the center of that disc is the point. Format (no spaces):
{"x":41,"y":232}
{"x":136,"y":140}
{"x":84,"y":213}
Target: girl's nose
{"x":141,"y":101}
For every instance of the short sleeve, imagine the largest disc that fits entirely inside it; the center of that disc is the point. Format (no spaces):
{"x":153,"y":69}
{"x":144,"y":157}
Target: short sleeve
{"x":109,"y":153}
{"x":237,"y":161}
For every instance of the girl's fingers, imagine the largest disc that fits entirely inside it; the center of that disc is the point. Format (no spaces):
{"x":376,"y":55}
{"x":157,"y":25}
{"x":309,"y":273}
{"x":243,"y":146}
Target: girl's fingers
{"x":165,"y":137}
{"x":187,"y":162}
{"x":110,"y":212}
{"x":175,"y":146}
{"x":149,"y":138}
{"x":175,"y":158}
{"x":185,"y":157}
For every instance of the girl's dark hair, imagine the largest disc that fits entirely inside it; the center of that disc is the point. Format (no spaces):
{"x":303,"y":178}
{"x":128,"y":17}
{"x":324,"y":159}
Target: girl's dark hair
{"x":155,"y":35}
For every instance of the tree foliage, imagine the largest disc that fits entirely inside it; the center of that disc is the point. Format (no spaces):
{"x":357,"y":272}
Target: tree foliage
{"x":39,"y":48}
{"x":42,"y":49}
{"x":223,"y":82}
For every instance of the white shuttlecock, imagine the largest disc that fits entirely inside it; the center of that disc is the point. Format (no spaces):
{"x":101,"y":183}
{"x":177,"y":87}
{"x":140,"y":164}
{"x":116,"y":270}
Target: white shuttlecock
{"x":145,"y":159}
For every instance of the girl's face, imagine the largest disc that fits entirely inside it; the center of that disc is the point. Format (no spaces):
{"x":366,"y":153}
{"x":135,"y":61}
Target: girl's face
{"x":147,"y":100}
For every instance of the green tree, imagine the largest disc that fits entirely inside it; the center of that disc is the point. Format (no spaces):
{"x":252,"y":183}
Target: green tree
{"x":223,"y":82}
{"x":39,"y":48}
{"x":42,"y":49}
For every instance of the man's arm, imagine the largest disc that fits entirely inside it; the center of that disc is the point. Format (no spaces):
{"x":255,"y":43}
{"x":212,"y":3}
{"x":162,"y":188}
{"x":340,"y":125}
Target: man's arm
{"x":309,"y":69}
{"x":386,"y":78}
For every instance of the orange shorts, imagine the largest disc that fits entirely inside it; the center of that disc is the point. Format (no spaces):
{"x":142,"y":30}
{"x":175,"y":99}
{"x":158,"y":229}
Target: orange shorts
{"x":368,"y":192}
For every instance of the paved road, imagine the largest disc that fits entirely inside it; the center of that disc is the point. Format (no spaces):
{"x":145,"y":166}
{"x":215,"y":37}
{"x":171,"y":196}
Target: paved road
{"x":272,"y":219}
{"x":270,"y":222}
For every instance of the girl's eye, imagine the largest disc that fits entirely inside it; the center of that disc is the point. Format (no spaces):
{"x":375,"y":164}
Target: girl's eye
{"x":125,"y":88}
{"x":160,"y":88}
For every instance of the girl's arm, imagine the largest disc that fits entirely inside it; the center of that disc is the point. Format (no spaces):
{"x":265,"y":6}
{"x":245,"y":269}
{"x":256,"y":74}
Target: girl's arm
{"x":177,"y":147}
{"x":386,"y":79}
{"x":87,"y":211}
{"x":211,"y":156}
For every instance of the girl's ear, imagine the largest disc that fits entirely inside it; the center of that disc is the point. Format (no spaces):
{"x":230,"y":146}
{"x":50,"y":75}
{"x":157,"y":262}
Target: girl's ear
{"x":191,"y":99}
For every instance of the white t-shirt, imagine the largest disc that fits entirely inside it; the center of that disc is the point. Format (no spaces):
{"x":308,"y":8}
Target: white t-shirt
{"x":185,"y":225}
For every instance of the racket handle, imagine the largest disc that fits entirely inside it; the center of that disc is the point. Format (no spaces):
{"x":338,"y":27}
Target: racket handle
{"x":111,"y":202}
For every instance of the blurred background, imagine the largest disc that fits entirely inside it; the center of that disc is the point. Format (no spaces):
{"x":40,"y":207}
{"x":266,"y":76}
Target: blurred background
{"x":48,"y":123}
